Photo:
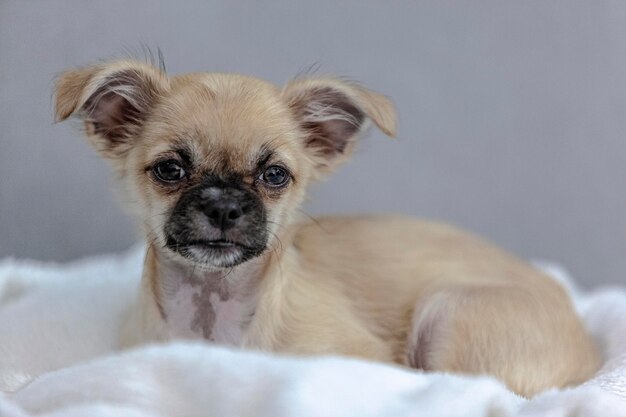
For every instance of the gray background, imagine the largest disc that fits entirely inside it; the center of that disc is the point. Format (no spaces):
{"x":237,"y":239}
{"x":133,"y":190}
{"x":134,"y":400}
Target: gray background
{"x":512,"y":114}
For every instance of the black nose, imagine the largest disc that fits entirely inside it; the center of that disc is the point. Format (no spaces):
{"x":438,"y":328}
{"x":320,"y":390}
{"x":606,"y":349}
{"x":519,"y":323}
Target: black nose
{"x":223,"y":213}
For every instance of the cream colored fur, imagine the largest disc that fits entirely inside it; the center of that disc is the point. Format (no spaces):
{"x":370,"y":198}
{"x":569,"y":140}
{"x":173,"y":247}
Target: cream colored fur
{"x":390,"y":289}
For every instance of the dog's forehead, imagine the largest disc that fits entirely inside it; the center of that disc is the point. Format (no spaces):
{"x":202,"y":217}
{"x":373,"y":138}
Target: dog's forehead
{"x":226,"y":119}
{"x":225,"y":100}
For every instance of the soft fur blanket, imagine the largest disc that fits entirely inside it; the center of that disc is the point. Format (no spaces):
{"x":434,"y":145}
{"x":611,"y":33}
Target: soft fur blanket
{"x":58,"y":325}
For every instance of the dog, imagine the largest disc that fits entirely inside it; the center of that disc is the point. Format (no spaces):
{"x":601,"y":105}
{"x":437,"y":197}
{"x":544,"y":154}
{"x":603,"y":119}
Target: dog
{"x":216,"y":166}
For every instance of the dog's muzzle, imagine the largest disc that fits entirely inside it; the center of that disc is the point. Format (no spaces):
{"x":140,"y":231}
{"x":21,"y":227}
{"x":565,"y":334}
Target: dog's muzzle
{"x":218,"y":223}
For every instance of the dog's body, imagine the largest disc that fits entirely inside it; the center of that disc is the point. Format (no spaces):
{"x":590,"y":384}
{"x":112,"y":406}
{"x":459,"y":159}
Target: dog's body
{"x":218,"y":166}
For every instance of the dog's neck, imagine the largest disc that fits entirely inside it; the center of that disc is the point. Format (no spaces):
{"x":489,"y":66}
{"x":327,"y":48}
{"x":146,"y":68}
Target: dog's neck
{"x":217,"y":305}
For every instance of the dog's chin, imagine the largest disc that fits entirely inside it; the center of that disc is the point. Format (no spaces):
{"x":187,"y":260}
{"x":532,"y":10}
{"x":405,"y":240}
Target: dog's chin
{"x":214,"y":254}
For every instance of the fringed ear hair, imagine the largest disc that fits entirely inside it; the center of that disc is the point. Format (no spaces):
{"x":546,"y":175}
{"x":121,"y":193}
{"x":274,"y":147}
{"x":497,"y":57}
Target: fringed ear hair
{"x":333,"y":113}
{"x":113,"y":100}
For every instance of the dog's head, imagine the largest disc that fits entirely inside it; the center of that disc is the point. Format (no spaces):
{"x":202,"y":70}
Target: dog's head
{"x":216,"y":164}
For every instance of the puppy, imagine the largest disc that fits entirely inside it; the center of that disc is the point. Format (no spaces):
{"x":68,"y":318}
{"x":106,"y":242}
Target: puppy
{"x":216,"y":166}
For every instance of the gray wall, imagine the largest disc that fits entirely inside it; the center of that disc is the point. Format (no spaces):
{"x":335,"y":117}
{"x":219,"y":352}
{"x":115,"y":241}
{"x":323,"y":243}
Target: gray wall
{"x":512,"y":114}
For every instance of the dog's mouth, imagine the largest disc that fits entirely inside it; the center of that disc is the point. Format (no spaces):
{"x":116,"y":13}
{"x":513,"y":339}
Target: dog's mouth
{"x":220,"y":253}
{"x":213,"y":244}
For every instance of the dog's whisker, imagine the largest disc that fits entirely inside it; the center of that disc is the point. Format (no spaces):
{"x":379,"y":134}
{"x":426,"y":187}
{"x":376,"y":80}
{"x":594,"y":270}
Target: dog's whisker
{"x":313,"y":219}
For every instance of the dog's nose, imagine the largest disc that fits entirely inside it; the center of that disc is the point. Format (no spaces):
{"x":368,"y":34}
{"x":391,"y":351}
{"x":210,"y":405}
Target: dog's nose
{"x":224,"y":213}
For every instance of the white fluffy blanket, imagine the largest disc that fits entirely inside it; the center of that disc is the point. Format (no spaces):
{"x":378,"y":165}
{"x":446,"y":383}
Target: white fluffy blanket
{"x":58,"y":325}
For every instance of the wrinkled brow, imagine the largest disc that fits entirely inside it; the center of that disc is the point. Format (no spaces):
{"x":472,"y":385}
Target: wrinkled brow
{"x":265,"y":154}
{"x":185,"y":151}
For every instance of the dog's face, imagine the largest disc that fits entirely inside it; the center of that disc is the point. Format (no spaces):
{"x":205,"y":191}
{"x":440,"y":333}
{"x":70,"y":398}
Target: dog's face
{"x":216,"y":164}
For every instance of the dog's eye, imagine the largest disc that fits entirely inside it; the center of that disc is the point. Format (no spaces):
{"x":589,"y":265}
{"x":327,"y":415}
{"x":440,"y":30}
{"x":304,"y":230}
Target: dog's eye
{"x":169,"y":171}
{"x":275,"y":176}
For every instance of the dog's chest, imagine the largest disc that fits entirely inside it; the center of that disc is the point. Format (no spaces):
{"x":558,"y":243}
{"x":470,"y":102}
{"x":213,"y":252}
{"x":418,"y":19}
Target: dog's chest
{"x":204,"y":309}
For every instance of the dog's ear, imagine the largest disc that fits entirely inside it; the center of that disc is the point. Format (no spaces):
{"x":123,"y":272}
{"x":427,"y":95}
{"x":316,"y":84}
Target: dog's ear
{"x":333,"y":113}
{"x":113,"y":99}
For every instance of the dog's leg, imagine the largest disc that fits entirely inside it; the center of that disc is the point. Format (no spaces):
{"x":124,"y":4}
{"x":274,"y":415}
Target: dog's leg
{"x":528,"y":340}
{"x":144,"y":321}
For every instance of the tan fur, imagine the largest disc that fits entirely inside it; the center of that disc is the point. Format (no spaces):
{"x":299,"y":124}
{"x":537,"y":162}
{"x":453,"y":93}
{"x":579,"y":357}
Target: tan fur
{"x":390,"y":289}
